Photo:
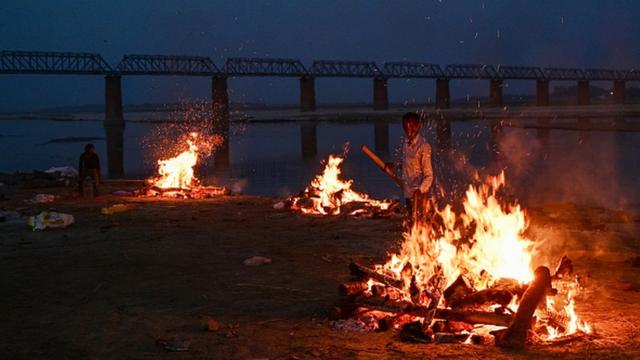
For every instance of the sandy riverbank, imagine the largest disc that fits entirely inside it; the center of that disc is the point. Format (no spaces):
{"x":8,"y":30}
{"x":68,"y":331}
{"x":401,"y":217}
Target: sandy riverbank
{"x":110,"y":286}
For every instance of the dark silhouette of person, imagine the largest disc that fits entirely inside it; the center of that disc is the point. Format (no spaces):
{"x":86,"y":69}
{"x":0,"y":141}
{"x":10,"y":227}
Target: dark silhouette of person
{"x":89,"y":166}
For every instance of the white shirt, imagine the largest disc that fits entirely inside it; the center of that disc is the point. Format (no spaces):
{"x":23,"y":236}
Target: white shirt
{"x":416,"y":166}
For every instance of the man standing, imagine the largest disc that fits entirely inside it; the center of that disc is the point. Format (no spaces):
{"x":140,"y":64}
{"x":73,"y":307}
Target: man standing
{"x":417,"y":173}
{"x":89,"y":167}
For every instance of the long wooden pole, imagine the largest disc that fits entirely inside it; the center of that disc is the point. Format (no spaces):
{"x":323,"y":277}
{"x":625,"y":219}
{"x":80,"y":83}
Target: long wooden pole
{"x":381,"y":164}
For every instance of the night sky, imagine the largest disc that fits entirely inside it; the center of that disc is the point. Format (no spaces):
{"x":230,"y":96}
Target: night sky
{"x":584,"y":33}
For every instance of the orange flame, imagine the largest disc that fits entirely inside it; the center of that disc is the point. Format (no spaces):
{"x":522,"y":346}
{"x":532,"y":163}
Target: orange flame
{"x":493,"y":248}
{"x":177,"y":172}
{"x":328,"y":192}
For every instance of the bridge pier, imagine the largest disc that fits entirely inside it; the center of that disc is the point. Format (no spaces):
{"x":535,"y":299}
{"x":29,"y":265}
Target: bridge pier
{"x":380,"y":94}
{"x":308,"y":140}
{"x":584,"y":97}
{"x":220,"y":111}
{"x":443,"y":100}
{"x":381,"y":136}
{"x":114,"y":126}
{"x":542,"y":92}
{"x":307,"y":94}
{"x":619,"y":92}
{"x":495,"y":93}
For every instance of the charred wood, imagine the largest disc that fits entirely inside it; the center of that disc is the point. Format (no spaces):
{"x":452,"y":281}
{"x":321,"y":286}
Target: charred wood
{"x":486,"y":296}
{"x":364,"y":273}
{"x":516,"y":334}
{"x":468,"y":316}
{"x":352,"y":288}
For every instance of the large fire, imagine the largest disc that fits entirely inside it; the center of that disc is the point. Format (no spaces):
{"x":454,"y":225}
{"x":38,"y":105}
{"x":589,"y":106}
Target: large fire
{"x":327,"y":194}
{"x":484,"y":244}
{"x":177,"y":172}
{"x":176,"y":175}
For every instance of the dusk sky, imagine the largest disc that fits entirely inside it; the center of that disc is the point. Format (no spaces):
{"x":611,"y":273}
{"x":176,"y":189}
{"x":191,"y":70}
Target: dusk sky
{"x":585,"y":33}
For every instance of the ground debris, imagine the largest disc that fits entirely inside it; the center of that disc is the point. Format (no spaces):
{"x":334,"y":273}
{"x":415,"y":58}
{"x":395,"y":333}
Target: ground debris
{"x":173,"y":344}
{"x":256,"y":261}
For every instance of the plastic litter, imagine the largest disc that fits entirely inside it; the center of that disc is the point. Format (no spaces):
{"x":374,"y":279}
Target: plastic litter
{"x":114,"y":209}
{"x":50,"y":219}
{"x":41,"y":199}
{"x":122,"y":193}
{"x":256,"y":261}
{"x":174,"y":344}
{"x":65,"y":171}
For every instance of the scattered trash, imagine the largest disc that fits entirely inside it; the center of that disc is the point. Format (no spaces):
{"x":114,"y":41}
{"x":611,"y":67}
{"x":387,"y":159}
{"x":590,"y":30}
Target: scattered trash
{"x":114,"y":209}
{"x":122,"y":193}
{"x":256,"y":261}
{"x":174,"y":344}
{"x":50,"y":219}
{"x":41,"y":199}
{"x":64,"y":171}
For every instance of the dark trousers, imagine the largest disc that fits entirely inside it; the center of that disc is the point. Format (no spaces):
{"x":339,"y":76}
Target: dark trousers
{"x":419,"y":208}
{"x":88,"y":174}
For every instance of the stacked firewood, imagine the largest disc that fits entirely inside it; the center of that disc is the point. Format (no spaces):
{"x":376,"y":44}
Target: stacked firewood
{"x":197,"y":192}
{"x":420,"y":316}
{"x":306,"y":202}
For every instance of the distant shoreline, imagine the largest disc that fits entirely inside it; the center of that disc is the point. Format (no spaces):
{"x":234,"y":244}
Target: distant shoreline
{"x":358,"y":114}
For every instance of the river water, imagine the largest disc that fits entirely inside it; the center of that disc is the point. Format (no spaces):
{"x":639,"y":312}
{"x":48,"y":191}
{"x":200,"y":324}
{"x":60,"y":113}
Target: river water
{"x":599,"y":168}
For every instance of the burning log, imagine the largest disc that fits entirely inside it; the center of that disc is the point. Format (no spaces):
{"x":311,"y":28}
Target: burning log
{"x":511,"y":285}
{"x":197,"y":192}
{"x":408,"y":308}
{"x":352,"y":288}
{"x":475,"y":317}
{"x":365,"y":273}
{"x":328,"y":194}
{"x":516,"y":334}
{"x":486,"y":296}
{"x":457,"y":290}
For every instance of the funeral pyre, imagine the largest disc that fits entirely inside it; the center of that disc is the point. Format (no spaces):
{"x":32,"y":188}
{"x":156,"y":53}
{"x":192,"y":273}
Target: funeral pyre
{"x":328,"y":194}
{"x":176,"y":175}
{"x":466,"y":278}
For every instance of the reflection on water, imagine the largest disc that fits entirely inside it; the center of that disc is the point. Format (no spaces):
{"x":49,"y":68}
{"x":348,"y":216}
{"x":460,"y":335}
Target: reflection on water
{"x":542,"y":164}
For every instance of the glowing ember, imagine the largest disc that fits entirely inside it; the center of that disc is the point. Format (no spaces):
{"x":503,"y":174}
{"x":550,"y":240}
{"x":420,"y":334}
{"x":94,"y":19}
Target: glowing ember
{"x":177,"y":172}
{"x":486,"y":245}
{"x":327,"y":193}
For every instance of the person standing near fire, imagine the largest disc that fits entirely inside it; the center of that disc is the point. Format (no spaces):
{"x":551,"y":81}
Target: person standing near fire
{"x":89,"y":167}
{"x":417,"y":172}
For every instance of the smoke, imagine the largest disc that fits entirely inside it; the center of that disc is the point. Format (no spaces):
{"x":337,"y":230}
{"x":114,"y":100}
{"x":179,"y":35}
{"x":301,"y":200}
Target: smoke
{"x":578,"y":186}
{"x":238,"y":186}
{"x":581,"y":167}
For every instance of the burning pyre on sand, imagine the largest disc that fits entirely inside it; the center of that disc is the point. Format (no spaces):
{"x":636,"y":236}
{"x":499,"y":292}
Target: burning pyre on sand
{"x":466,"y":278}
{"x":328,"y":194}
{"x":176,"y":177}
